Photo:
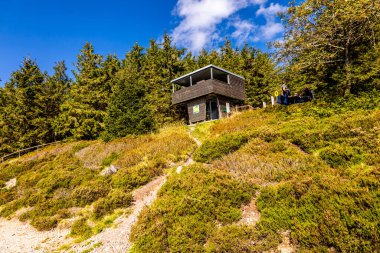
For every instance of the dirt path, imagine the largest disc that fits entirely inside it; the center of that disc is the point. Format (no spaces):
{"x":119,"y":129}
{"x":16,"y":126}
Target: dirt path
{"x":116,"y":239}
{"x":16,"y":236}
{"x":189,"y":161}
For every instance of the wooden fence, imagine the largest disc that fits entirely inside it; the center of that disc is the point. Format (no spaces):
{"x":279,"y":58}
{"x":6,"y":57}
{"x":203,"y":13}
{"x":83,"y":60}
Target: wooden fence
{"x":26,"y":150}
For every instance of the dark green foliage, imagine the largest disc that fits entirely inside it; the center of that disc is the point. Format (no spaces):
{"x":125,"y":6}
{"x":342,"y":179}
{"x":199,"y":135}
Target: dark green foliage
{"x":217,"y":147}
{"x":128,"y":112}
{"x":84,"y":110}
{"x":188,"y":207}
{"x":341,"y":155}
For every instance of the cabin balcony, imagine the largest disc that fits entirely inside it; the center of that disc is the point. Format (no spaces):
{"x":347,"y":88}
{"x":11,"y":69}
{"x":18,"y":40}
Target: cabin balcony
{"x":206,"y":87}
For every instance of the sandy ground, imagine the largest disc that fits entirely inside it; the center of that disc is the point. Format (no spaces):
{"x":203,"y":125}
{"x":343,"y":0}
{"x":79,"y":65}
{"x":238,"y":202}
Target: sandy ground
{"x":16,"y":236}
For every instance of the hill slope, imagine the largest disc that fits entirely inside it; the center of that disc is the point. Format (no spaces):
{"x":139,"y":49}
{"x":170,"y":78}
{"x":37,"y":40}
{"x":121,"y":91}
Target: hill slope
{"x":303,"y":177}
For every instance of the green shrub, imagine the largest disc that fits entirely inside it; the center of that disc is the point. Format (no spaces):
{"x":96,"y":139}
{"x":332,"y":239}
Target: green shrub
{"x":115,"y":199}
{"x":89,"y":192}
{"x":340,"y":155}
{"x":44,"y":223}
{"x":217,"y":147}
{"x":133,"y":177}
{"x":80,"y":228}
{"x":325,"y":211}
{"x":235,"y":238}
{"x":189,"y":207}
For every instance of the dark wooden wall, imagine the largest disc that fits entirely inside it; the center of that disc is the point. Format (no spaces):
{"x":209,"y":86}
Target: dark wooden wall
{"x":201,"y":116}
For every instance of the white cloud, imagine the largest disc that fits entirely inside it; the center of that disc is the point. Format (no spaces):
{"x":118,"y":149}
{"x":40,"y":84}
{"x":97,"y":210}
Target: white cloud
{"x":270,"y":12}
{"x":271,"y":28}
{"x":202,"y":20}
{"x":243,"y":31}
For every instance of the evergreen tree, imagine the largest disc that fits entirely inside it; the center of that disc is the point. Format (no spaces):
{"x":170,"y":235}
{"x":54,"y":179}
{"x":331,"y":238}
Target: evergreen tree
{"x":22,"y":117}
{"x":53,"y":95}
{"x":83,"y":113}
{"x":129,"y":111}
{"x":162,"y":64}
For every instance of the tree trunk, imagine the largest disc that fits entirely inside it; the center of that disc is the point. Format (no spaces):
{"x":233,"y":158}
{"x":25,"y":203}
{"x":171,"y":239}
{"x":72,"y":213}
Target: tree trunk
{"x":347,"y":66}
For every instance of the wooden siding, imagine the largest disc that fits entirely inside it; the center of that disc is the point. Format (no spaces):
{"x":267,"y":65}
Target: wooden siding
{"x":234,"y":90}
{"x":201,"y":116}
{"x":222,"y":106}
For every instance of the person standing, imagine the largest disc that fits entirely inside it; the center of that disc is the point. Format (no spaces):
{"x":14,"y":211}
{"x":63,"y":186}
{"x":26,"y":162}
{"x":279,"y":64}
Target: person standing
{"x":285,"y":93}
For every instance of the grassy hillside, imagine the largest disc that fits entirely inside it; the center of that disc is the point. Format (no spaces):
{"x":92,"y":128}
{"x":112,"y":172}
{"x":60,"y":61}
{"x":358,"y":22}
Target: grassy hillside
{"x":312,"y":171}
{"x":65,"y":181}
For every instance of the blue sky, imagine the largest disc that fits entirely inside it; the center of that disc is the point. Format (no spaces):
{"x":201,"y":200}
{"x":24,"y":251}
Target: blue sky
{"x":53,"y":30}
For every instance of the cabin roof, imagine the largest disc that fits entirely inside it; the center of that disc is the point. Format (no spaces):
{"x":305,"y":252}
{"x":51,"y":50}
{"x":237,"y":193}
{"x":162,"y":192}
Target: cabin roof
{"x":202,"y":74}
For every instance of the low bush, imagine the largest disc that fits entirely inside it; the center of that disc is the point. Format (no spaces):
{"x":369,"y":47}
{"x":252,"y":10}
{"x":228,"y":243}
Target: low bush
{"x":325,"y":212}
{"x":217,"y":147}
{"x":44,"y":223}
{"x":189,"y":207}
{"x":80,"y":228}
{"x":341,"y":155}
{"x":240,"y":238}
{"x":89,"y":192}
{"x":115,"y":199}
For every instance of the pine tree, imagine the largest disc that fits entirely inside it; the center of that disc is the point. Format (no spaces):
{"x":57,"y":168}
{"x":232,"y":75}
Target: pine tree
{"x":163,"y":63}
{"x":129,"y":111}
{"x":22,"y":117}
{"x":54,"y":94}
{"x":83,"y":113}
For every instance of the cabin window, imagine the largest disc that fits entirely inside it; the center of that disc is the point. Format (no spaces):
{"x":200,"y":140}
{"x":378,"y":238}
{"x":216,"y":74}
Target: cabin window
{"x":195,"y":109}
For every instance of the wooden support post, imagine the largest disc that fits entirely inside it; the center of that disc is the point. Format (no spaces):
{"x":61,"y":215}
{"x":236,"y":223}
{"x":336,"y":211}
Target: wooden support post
{"x":173,"y":87}
{"x":219,"y":112}
{"x":212,"y":74}
{"x":228,"y":79}
{"x":191,"y":81}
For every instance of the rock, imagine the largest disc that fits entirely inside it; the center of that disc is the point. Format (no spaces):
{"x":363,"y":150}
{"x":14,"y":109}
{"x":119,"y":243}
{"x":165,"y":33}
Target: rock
{"x":10,"y":184}
{"x":109,"y":170}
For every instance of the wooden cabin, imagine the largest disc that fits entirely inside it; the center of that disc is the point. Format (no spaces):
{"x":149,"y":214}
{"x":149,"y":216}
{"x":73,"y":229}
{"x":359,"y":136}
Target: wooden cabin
{"x":208,"y":93}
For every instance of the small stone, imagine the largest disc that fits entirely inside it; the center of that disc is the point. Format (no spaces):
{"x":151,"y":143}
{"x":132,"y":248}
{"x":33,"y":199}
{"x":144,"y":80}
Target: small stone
{"x":109,"y":170}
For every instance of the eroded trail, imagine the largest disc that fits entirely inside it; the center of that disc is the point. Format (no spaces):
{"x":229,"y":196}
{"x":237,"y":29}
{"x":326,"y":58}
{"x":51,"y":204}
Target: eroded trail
{"x":189,"y":161}
{"x":117,"y":239}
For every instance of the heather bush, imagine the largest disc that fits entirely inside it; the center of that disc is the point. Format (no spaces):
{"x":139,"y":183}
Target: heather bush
{"x":189,"y":207}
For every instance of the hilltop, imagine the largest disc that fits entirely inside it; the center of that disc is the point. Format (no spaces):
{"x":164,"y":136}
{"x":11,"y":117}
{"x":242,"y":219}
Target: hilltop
{"x":303,"y":177}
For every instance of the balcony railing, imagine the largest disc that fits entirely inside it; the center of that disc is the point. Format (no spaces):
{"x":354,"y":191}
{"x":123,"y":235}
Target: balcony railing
{"x":207,"y":87}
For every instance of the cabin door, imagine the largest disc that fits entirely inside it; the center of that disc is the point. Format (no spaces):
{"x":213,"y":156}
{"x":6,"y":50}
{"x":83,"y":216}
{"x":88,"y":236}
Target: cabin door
{"x":212,"y":110}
